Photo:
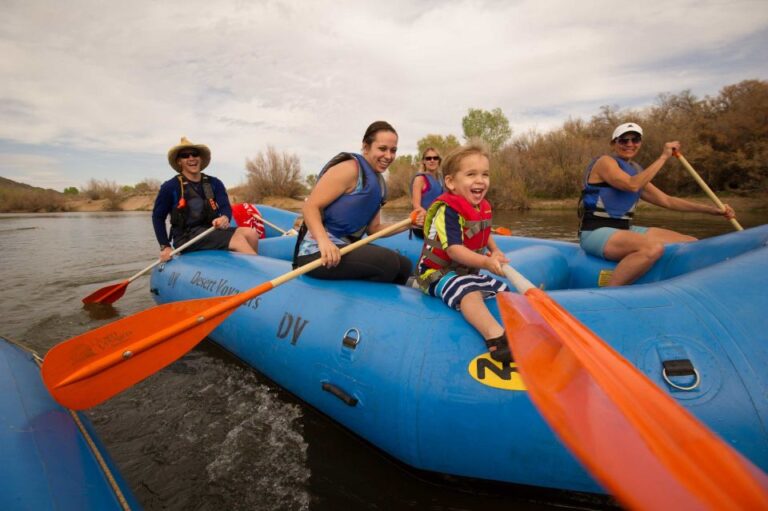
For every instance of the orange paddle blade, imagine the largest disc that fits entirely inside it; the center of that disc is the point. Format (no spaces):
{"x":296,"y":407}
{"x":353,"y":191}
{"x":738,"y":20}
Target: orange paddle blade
{"x":637,"y":441}
{"x":503,"y":231}
{"x":108,"y":294}
{"x":90,"y":368}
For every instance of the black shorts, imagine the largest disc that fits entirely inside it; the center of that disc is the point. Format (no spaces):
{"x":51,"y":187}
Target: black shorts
{"x":217,"y":240}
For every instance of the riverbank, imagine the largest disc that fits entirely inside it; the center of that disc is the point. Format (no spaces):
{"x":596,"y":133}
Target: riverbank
{"x":145,"y":202}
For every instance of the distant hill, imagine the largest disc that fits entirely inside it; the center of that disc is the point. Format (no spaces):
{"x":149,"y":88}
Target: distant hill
{"x":16,"y":197}
{"x":6,"y":183}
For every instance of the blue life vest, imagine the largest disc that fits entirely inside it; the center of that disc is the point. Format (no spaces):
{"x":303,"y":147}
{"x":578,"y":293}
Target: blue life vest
{"x":349,"y":215}
{"x":433,"y":191}
{"x":602,"y":205}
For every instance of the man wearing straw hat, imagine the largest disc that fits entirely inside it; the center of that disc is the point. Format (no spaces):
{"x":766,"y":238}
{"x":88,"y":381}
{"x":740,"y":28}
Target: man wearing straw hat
{"x":196,"y":201}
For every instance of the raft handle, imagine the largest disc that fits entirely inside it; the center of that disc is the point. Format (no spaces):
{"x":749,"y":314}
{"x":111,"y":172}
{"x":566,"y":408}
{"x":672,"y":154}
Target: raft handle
{"x":336,"y":391}
{"x":680,"y":367}
{"x":351,"y":342}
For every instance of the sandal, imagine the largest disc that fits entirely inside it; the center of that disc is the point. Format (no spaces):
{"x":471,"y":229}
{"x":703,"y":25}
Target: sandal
{"x":498,"y":347}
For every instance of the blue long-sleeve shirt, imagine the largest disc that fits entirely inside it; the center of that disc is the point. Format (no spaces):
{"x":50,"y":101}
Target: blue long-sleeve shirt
{"x":169,"y":195}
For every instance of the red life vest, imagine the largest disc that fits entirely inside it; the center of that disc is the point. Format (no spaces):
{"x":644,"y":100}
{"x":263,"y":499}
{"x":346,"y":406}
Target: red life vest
{"x":247,"y":215}
{"x":476,"y":232}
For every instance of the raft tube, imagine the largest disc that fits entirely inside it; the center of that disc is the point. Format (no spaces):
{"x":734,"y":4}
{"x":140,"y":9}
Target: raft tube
{"x":50,"y":457}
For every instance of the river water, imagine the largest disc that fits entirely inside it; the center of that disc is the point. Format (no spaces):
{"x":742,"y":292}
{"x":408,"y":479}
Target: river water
{"x":207,"y":432}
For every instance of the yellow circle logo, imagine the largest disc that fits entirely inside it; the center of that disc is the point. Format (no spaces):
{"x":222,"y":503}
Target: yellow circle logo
{"x":495,"y":374}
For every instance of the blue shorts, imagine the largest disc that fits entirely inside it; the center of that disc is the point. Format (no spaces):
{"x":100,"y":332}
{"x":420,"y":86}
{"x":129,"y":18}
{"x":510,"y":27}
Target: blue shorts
{"x":593,"y":242}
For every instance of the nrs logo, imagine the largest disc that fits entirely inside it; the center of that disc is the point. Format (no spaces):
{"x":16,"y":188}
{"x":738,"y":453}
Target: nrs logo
{"x":495,"y":374}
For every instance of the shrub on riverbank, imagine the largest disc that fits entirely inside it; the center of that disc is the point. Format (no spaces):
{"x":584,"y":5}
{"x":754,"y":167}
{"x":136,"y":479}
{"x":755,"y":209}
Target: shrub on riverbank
{"x":272,"y":174}
{"x":32,"y":199}
{"x":109,"y":190}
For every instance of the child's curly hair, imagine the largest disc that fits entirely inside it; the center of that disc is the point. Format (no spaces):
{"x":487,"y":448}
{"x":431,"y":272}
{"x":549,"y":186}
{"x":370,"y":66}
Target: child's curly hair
{"x":473,"y":146}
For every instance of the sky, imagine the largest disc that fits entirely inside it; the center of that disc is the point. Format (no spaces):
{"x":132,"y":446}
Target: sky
{"x":101,"y":90}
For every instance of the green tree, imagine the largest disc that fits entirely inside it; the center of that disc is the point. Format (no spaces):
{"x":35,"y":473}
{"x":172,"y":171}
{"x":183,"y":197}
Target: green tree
{"x":493,"y":126}
{"x":71,"y":190}
{"x":443,"y":145}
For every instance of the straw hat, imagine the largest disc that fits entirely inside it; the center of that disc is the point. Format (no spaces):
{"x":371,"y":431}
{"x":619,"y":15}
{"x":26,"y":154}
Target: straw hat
{"x":205,"y":153}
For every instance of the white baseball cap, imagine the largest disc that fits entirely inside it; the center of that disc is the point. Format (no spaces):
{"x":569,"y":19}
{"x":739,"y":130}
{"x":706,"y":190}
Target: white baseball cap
{"x":626,"y":128}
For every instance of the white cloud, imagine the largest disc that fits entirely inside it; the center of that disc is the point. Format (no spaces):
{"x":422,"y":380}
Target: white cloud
{"x":308,"y":77}
{"x":30,"y":168}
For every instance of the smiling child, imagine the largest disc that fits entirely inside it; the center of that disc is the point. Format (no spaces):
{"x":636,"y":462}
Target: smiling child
{"x":457,"y":242}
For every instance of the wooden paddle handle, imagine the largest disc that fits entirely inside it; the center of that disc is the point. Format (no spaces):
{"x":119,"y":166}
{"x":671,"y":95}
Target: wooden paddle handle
{"x":706,"y":188}
{"x":344,"y":250}
{"x":240,"y":298}
{"x":267,"y":222}
{"x":516,"y":279}
{"x":175,"y":251}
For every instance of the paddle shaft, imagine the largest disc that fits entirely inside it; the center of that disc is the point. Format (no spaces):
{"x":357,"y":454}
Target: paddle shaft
{"x":516,"y":279}
{"x":175,"y":251}
{"x":223,"y":307}
{"x":706,"y":188}
{"x":241,"y":298}
{"x":267,"y":222}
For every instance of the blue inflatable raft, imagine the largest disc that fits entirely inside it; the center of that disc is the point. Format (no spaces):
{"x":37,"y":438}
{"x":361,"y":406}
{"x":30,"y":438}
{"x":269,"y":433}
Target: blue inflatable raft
{"x":50,"y":457}
{"x":410,"y":376}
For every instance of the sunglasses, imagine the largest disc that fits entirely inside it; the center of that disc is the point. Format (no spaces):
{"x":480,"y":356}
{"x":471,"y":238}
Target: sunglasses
{"x":627,"y":140}
{"x":431,"y":158}
{"x":186,"y":154}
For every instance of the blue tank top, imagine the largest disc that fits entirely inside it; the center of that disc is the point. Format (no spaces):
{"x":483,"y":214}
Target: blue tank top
{"x":351,"y":213}
{"x":433,"y":191}
{"x":347,"y":217}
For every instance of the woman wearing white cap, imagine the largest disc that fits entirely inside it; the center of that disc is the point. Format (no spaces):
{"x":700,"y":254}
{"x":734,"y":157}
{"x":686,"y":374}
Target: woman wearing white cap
{"x":195,"y":202}
{"x":613,"y":184}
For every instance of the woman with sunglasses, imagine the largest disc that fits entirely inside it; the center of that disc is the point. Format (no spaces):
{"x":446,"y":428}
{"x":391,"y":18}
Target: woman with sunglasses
{"x":426,"y":185}
{"x":195,"y":202}
{"x":613,"y":185}
{"x":343,"y":206}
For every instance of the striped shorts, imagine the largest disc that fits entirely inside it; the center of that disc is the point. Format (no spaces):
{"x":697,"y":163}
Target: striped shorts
{"x":452,"y":288}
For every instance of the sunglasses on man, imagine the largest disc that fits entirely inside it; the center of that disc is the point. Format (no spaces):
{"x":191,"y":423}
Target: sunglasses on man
{"x":186,"y":154}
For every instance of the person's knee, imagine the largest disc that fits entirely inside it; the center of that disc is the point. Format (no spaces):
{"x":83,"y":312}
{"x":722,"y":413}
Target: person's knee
{"x":668,"y":236}
{"x":242,"y":240}
{"x":653,"y":251}
{"x":405,"y":269}
{"x":251,"y":236}
{"x":246,"y":232}
{"x":395,"y":268}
